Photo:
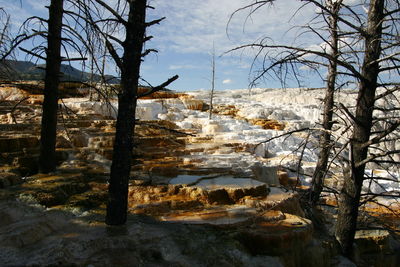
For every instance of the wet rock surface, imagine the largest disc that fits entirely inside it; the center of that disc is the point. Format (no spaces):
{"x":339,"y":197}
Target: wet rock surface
{"x":376,"y":248}
{"x":62,"y":239}
{"x":196,"y":197}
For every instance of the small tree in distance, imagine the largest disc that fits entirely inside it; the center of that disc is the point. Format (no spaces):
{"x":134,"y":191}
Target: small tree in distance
{"x":212,"y":82}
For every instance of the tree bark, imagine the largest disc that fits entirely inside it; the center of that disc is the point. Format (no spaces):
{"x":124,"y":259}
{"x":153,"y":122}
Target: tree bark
{"x":327,"y":123}
{"x":122,"y":154}
{"x":47,"y":157}
{"x":350,"y":194}
{"x":212,"y":83}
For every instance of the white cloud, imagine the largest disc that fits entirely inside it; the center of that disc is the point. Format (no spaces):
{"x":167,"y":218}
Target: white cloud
{"x":305,"y":68}
{"x":20,"y":11}
{"x":227,"y":81}
{"x":193,"y":26}
{"x":179,"y":67}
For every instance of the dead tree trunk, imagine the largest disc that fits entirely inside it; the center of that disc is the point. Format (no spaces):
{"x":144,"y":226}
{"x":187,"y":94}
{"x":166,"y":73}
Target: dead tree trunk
{"x":122,"y":154}
{"x":212,"y":83}
{"x":47,"y":158}
{"x":327,"y":123}
{"x":350,"y":193}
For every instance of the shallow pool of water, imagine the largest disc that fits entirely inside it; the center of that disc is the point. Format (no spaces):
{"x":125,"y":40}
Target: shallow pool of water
{"x":185,"y":179}
{"x":228,"y":182}
{"x":208,"y":183}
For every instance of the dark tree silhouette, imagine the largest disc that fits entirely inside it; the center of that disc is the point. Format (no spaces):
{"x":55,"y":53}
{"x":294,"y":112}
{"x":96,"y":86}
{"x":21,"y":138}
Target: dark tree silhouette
{"x":367,"y":54}
{"x":126,"y":16}
{"x":212,"y":83}
{"x":47,"y":157}
{"x":363,"y":121}
{"x":5,"y":42}
{"x":325,"y":142}
{"x":56,"y":36}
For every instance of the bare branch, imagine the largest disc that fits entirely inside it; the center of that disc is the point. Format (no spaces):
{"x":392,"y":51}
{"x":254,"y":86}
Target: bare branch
{"x":112,"y":11}
{"x":153,"y":22}
{"x":376,"y":139}
{"x":32,"y":53}
{"x":159,"y":87}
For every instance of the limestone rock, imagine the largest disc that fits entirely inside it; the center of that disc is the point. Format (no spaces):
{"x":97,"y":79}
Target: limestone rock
{"x":80,"y":139}
{"x":276,"y":238}
{"x":268,"y":124}
{"x":18,"y":143}
{"x":376,"y":248}
{"x":226,"y":190}
{"x":62,"y":142}
{"x":228,"y":110}
{"x":266,"y":174}
{"x":9,"y":179}
{"x":26,"y":165}
{"x":193,"y":104}
{"x":220,"y":216}
{"x":212,"y":128}
{"x":277,"y":199}
{"x":52,"y":190}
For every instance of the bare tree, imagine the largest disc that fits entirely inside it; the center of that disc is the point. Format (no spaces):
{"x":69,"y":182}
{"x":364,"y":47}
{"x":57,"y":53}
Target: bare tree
{"x":4,"y":31}
{"x":327,"y":120}
{"x":212,"y":82}
{"x":363,"y":122}
{"x":52,"y":37}
{"x":5,"y":42}
{"x":48,"y":133}
{"x":129,"y":17}
{"x":284,"y":62}
{"x":126,"y":16}
{"x":367,"y":54}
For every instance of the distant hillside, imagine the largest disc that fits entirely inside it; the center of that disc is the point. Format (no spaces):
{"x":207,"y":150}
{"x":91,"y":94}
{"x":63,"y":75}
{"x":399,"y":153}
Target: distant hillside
{"x":25,"y":70}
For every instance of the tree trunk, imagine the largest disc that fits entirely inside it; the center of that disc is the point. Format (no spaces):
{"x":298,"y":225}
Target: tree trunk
{"x":212,"y":83}
{"x":350,"y":194}
{"x":122,"y":154}
{"x":47,"y":158}
{"x":325,"y":138}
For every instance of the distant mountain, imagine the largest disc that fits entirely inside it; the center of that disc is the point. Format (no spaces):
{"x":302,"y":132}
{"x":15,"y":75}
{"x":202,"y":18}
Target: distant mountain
{"x":25,"y":70}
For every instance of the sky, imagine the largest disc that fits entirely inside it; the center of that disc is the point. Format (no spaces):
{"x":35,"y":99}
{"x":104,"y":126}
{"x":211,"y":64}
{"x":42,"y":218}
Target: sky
{"x":185,"y":39}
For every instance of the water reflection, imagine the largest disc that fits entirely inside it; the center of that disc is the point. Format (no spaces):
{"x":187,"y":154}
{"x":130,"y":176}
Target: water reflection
{"x":209,"y":183}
